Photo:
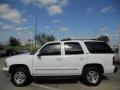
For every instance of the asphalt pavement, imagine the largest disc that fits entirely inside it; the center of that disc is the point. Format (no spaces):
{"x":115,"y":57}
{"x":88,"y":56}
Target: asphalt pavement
{"x":109,"y":82}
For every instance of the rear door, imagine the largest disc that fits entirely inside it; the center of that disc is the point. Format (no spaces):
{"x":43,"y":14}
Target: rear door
{"x":73,"y":58}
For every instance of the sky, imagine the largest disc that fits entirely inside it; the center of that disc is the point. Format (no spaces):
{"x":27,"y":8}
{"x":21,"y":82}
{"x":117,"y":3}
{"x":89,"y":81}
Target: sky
{"x":61,"y":18}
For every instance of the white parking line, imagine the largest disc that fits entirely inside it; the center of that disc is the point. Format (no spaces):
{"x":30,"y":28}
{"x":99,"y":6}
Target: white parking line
{"x":45,"y":87}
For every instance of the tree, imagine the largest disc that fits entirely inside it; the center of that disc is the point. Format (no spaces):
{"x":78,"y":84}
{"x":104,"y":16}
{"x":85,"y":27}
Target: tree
{"x":65,"y":39}
{"x":104,"y":38}
{"x":43,"y":38}
{"x":13,"y":41}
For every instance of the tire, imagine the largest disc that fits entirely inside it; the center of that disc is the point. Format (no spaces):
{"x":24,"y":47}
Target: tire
{"x":21,"y":77}
{"x":91,"y":76}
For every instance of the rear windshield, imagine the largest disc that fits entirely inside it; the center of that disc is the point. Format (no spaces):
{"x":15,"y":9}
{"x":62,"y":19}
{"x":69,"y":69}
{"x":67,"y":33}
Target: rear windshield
{"x":98,"y":47}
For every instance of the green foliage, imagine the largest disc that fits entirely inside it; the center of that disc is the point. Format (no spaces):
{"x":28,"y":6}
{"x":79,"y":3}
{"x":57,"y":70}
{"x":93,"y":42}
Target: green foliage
{"x":64,"y":39}
{"x":103,"y":38}
{"x":17,"y":48}
{"x":14,"y":42}
{"x":43,"y":38}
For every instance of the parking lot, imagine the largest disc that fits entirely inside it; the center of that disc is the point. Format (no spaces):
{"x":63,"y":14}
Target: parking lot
{"x":109,"y":82}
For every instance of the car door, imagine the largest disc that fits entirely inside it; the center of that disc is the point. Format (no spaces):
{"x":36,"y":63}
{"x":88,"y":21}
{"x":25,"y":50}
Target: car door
{"x":49,"y":61}
{"x":73,"y":58}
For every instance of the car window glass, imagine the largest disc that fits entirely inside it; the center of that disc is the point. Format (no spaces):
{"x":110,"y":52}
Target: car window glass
{"x":72,"y":48}
{"x":98,"y":47}
{"x":51,"y":49}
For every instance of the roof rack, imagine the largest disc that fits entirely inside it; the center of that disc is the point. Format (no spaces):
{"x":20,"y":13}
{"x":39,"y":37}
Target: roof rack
{"x":76,"y":39}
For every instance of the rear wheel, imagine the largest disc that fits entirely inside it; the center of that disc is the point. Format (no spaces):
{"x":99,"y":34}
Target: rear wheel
{"x":92,"y":76}
{"x":20,"y":77}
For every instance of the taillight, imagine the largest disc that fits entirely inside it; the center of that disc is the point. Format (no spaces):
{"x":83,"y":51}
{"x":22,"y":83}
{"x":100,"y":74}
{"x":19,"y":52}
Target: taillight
{"x":115,"y":61}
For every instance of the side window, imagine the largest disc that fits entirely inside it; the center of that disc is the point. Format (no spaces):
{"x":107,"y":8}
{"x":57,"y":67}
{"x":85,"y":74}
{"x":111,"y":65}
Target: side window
{"x":72,"y":48}
{"x":51,"y":49}
{"x":98,"y":47}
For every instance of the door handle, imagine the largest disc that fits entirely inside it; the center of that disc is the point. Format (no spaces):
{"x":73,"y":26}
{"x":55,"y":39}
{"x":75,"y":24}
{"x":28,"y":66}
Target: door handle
{"x":82,"y":58}
{"x":59,"y":59}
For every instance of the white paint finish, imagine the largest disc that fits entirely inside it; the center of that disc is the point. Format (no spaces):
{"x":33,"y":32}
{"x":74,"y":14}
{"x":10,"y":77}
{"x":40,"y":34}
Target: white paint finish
{"x":47,"y":65}
{"x":104,"y":59}
{"x":109,"y":69}
{"x":24,"y":59}
{"x":72,"y":64}
{"x":62,"y":64}
{"x":6,"y":69}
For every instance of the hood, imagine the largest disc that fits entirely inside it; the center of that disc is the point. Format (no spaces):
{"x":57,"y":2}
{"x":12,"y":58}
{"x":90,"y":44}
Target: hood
{"x":20,"y":57}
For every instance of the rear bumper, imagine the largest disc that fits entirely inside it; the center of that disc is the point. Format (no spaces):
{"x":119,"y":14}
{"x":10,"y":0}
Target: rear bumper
{"x":6,"y":71}
{"x":109,"y":69}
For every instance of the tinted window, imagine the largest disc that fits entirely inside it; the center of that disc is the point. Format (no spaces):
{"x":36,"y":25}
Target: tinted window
{"x":72,"y":48}
{"x":51,"y":49}
{"x":98,"y":47}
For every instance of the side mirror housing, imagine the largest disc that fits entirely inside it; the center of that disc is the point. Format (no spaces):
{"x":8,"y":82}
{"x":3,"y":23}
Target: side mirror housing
{"x":39,"y":54}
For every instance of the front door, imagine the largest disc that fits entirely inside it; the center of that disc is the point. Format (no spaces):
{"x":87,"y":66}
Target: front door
{"x":49,"y":62}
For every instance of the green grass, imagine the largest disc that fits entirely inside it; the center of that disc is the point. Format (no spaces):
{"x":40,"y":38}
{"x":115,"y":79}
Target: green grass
{"x":28,"y":47}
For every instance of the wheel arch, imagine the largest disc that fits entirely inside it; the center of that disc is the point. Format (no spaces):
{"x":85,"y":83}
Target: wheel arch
{"x":100,"y":66}
{"x":12,"y":67}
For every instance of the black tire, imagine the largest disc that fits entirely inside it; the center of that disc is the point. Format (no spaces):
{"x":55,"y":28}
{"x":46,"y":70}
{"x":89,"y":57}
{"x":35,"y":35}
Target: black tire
{"x":25,"y":72}
{"x":86,"y":76}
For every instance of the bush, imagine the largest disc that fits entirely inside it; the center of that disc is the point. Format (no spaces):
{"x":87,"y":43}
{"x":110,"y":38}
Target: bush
{"x":14,"y":42}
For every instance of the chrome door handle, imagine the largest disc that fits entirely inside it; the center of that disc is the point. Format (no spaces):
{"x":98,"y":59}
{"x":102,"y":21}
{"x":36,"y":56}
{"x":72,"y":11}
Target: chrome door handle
{"x":82,"y":58}
{"x":59,"y":59}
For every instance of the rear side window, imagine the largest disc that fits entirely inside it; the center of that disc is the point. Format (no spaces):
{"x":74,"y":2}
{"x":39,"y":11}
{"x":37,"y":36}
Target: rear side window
{"x":98,"y":47}
{"x":72,"y":48}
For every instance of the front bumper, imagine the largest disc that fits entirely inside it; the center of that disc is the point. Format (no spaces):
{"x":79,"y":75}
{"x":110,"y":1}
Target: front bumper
{"x":6,"y":71}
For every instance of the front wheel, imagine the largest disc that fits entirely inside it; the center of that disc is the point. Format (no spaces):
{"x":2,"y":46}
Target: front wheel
{"x":20,"y":77}
{"x":92,"y":76}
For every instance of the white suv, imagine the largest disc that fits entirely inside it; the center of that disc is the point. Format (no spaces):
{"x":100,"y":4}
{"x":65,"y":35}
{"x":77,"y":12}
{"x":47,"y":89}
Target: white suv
{"x":87,"y":58}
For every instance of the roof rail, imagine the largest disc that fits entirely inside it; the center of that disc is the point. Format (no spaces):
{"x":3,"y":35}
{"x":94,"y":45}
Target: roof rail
{"x":76,"y":39}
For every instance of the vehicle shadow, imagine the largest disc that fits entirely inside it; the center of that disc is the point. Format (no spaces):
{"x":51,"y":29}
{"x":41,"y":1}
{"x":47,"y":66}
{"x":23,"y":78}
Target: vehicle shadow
{"x":105,"y":77}
{"x":63,"y":81}
{"x":56,"y":81}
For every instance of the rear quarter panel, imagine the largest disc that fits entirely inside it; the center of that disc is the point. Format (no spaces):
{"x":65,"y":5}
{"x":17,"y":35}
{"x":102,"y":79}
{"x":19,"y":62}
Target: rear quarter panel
{"x":106,"y":60}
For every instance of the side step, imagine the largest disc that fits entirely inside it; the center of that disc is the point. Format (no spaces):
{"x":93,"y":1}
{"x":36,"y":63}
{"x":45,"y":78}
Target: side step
{"x":56,"y":77}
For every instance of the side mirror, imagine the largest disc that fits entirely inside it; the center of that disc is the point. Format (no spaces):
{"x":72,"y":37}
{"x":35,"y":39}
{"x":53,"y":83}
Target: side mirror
{"x":39,"y":54}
